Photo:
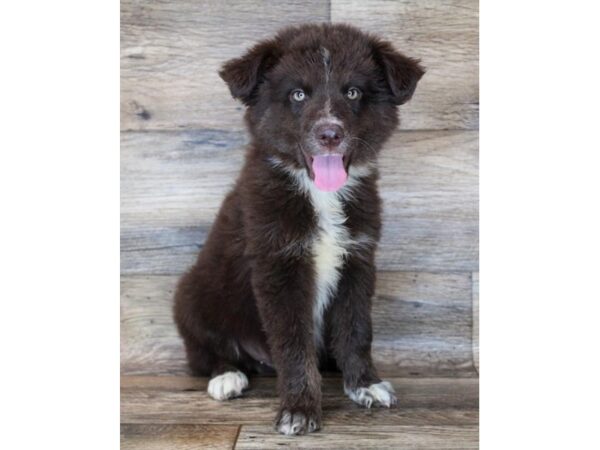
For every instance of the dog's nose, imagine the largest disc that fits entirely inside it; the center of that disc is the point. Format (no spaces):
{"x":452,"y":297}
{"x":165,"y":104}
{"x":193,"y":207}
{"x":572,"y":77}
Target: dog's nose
{"x":330,"y":135}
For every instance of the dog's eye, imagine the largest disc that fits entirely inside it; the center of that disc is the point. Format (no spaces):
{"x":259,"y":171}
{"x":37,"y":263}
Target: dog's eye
{"x":353,"y":93}
{"x":298,"y":95}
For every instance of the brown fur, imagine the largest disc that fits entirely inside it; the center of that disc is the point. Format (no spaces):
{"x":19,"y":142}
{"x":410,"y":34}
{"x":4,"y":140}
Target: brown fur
{"x":247,"y":303}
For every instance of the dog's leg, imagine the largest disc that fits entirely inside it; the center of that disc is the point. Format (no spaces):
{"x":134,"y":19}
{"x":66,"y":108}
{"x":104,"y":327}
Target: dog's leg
{"x":227,"y":380}
{"x":351,"y":335}
{"x":284,"y":292}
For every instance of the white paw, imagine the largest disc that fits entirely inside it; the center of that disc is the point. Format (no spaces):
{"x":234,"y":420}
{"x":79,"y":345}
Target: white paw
{"x":227,"y":385}
{"x":379,"y":394}
{"x":297,"y":423}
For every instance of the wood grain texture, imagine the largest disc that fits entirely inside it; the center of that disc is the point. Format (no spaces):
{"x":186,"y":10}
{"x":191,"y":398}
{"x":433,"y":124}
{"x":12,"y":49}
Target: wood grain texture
{"x":177,"y":436}
{"x":364,"y":437}
{"x":422,"y":401}
{"x":149,"y":340}
{"x":172,"y":185}
{"x":171,"y":53}
{"x":444,"y":35}
{"x":422,"y":325}
{"x":429,"y":187}
{"x":476,"y":320}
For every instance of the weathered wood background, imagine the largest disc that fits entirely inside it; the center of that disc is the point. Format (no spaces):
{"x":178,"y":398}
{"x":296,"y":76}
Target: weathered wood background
{"x":182,"y":145}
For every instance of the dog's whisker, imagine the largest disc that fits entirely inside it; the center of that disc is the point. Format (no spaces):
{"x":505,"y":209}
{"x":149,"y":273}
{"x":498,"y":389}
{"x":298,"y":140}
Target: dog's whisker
{"x":365,"y":143}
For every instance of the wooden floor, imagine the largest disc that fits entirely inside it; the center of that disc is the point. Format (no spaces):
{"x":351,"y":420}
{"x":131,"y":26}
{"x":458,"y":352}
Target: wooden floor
{"x":175,"y":412}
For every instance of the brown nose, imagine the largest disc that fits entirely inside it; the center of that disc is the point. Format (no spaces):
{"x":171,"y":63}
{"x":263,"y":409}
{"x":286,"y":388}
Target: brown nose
{"x":329,"y":135}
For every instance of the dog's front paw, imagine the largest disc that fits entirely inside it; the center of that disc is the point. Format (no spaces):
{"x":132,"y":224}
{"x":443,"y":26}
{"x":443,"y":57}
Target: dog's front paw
{"x":297,"y":421}
{"x":378,"y":394}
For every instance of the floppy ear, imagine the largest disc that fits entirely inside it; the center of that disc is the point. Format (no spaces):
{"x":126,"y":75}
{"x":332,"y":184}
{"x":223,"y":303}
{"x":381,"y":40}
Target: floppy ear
{"x":244,"y":74}
{"x":401,"y":72}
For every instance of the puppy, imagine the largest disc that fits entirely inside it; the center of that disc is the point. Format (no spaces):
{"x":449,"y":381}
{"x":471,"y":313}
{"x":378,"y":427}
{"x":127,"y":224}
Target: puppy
{"x":285,"y":279}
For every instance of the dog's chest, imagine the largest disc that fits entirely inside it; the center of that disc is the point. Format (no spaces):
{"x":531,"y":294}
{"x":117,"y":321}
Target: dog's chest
{"x":330,"y":245}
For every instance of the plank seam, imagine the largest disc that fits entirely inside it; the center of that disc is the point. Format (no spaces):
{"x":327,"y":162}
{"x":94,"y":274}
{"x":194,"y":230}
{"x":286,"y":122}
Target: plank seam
{"x":242,"y":130}
{"x":416,"y":270}
{"x":237,"y":436}
{"x":475,"y":366}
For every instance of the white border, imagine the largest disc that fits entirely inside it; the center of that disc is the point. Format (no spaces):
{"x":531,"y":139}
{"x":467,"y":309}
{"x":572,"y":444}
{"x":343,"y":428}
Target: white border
{"x":59,"y":243}
{"x":539,"y":224}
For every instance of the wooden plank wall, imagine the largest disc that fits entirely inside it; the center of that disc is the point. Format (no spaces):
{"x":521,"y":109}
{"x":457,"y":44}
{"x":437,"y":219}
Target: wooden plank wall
{"x":182,"y":145}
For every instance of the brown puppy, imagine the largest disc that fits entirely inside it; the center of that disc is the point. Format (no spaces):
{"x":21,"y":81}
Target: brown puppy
{"x":286,"y":276}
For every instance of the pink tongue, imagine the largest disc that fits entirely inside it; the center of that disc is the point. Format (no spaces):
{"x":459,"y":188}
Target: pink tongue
{"x":330,"y":174}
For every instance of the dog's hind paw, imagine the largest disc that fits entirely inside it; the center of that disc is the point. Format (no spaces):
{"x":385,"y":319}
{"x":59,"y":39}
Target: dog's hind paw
{"x":378,"y":394}
{"x":227,"y":385}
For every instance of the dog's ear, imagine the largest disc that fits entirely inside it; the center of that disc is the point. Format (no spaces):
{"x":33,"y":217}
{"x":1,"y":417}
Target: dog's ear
{"x":401,"y":72}
{"x":243,"y":75}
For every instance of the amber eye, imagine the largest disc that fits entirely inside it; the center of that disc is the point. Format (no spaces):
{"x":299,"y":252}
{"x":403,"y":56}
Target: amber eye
{"x":353,"y":93}
{"x":298,"y":95}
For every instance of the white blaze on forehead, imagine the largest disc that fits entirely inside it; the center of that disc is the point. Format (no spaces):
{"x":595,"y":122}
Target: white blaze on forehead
{"x":328,"y":117}
{"x":326,"y":63}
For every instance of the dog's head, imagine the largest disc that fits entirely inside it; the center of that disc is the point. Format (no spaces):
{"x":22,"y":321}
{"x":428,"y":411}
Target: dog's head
{"x":322,"y":97}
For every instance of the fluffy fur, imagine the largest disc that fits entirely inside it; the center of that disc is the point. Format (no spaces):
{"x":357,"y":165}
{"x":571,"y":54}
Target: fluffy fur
{"x":285,"y":279}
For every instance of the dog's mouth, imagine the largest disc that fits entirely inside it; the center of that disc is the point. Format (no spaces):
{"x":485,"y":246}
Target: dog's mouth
{"x":329,"y":171}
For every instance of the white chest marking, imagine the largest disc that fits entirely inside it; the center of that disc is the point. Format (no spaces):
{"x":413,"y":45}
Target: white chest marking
{"x":332,"y":240}
{"x":329,"y":248}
